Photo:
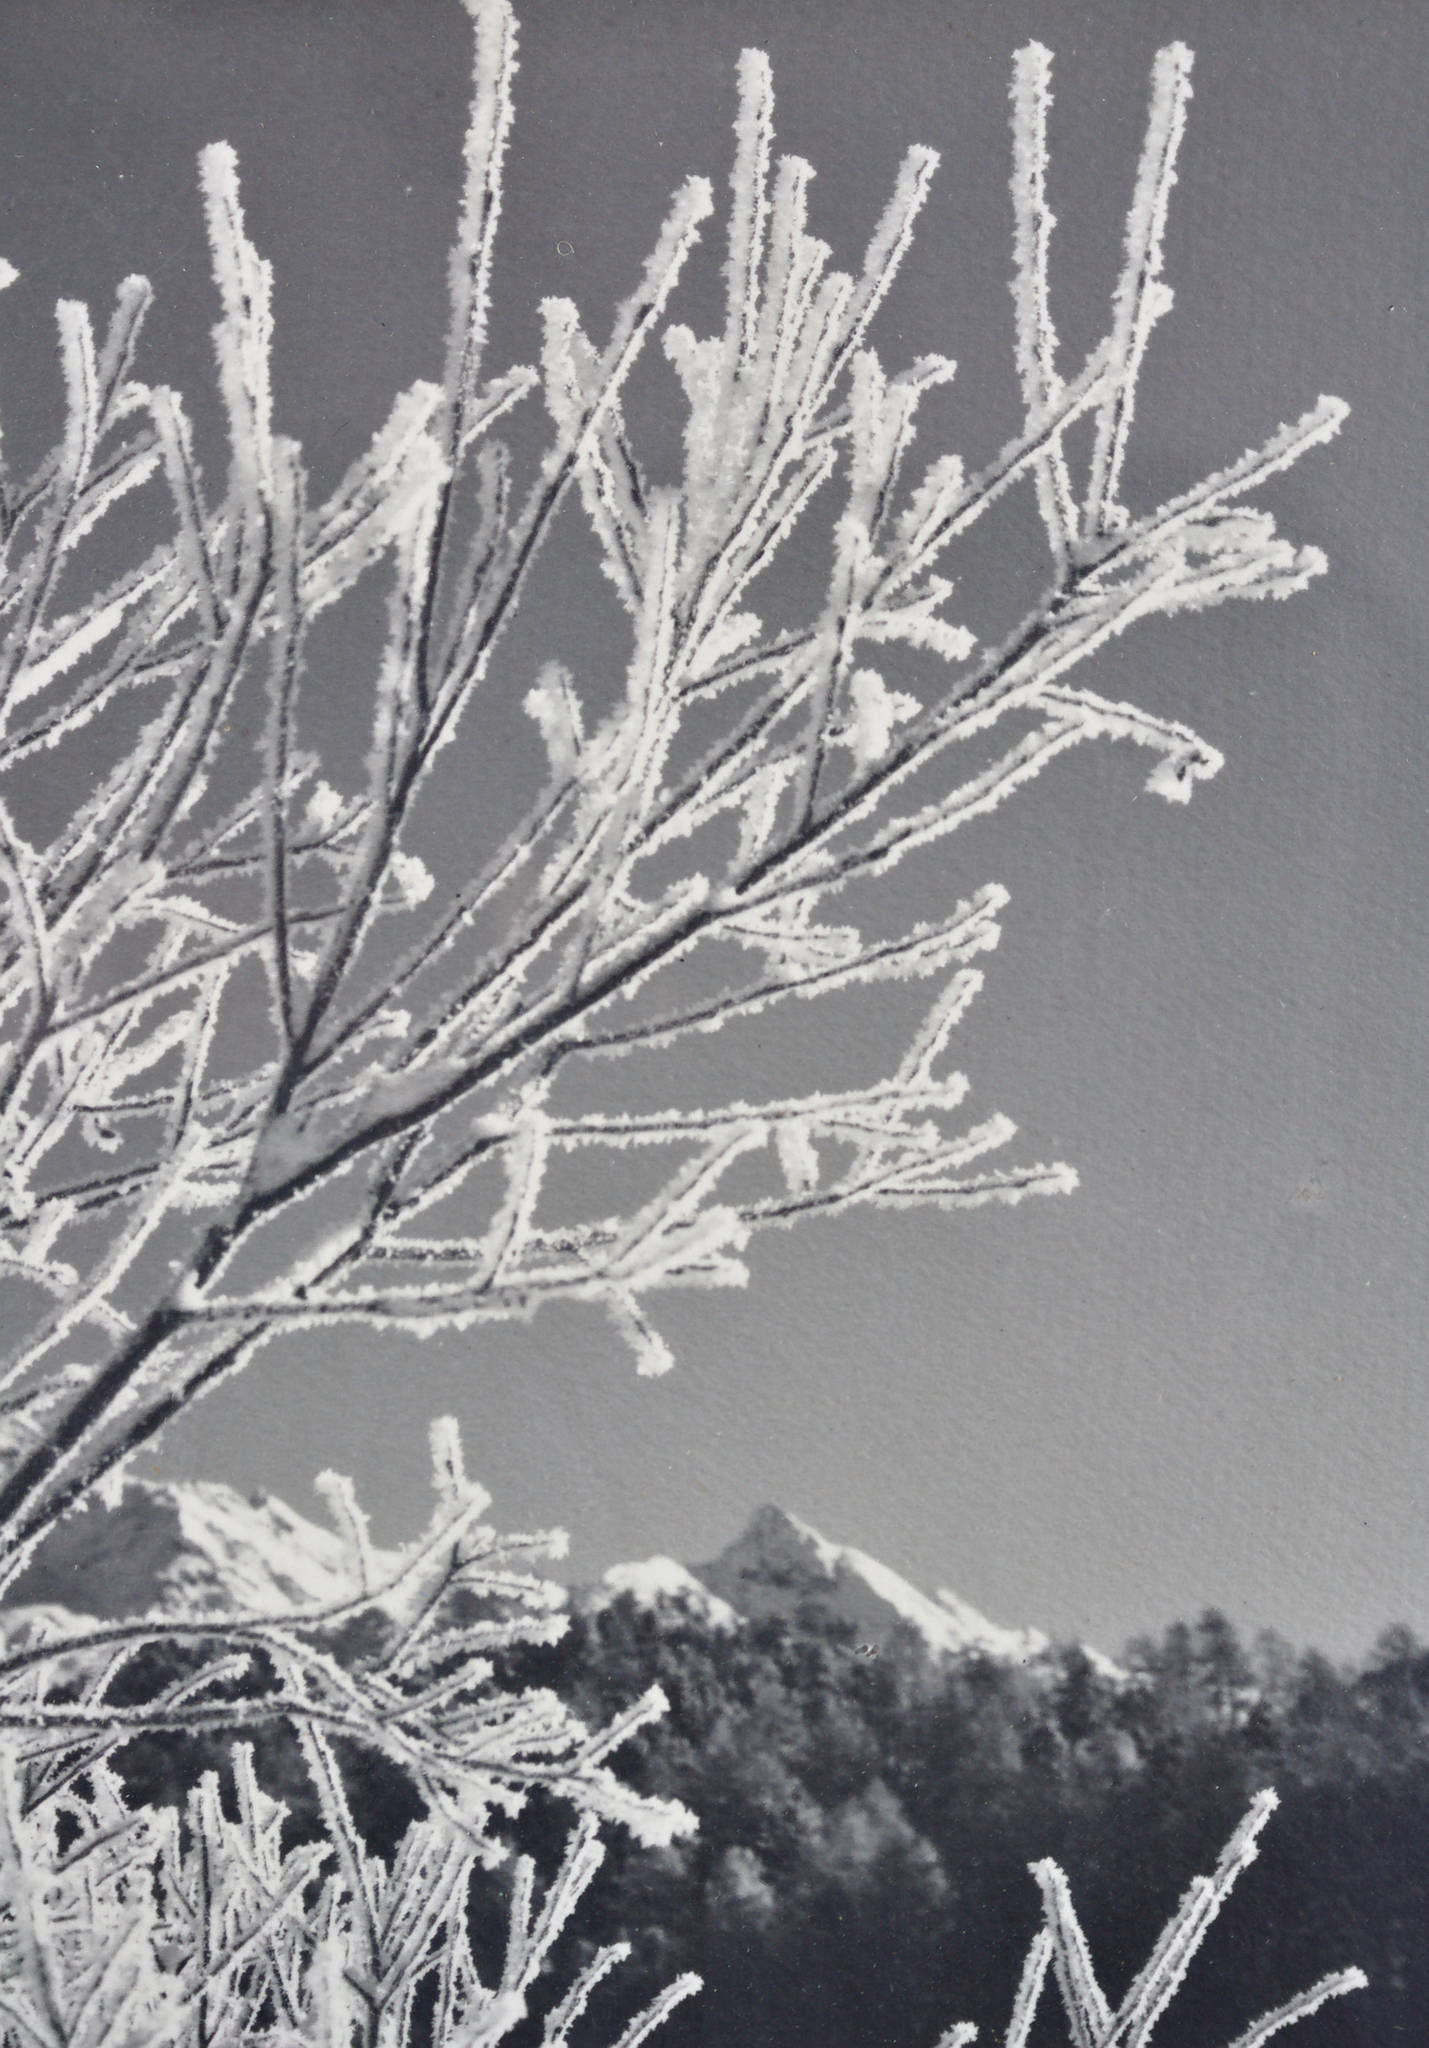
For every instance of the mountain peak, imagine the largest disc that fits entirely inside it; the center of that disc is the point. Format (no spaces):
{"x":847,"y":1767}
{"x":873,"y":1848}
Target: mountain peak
{"x":192,"y":1545}
{"x":782,"y":1568}
{"x":199,"y":1546}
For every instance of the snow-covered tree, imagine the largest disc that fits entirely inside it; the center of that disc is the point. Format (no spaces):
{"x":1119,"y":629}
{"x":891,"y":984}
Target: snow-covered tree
{"x":208,"y":1931}
{"x":269,"y":1067}
{"x":269,"y":1064}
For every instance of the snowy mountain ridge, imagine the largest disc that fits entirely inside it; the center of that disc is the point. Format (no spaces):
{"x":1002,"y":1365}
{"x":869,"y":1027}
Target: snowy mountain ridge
{"x":781,"y":1567}
{"x":202,"y":1546}
{"x":187,"y":1545}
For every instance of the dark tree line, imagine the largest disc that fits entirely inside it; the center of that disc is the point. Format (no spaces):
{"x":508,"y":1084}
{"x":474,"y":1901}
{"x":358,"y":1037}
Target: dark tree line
{"x":860,"y":1874}
{"x":859,"y":1878}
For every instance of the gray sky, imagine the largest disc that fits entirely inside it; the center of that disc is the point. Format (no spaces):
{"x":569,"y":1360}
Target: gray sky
{"x":1201,"y":1379}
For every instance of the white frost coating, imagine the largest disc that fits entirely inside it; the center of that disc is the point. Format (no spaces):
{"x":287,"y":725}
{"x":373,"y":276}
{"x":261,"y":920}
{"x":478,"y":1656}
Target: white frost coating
{"x":653,"y":1356}
{"x":102,"y":1942}
{"x":1061,"y":1943}
{"x":1140,"y":299}
{"x":876,"y":711}
{"x":324,"y":807}
{"x":798,"y":1157}
{"x":552,"y":702}
{"x":492,"y":111}
{"x":413,"y":879}
{"x":1036,"y":335}
{"x":243,"y":339}
{"x":263,"y":1069}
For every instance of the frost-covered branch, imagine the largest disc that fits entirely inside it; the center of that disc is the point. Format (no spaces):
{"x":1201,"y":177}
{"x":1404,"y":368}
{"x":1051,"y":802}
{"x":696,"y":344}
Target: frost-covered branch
{"x":269,"y":1059}
{"x":207,"y":1927}
{"x":1060,"y":1950}
{"x":424,"y":1693}
{"x":273,"y":1058}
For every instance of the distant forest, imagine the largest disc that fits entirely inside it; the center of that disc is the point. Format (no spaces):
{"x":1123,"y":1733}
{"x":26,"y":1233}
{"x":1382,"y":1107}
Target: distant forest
{"x":859,"y":1878}
{"x":860,"y":1874}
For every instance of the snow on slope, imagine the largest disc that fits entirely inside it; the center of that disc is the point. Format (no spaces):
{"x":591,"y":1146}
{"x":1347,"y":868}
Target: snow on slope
{"x":190,"y":1546}
{"x":198,"y":1546}
{"x":782,"y":1567}
{"x":656,"y":1584}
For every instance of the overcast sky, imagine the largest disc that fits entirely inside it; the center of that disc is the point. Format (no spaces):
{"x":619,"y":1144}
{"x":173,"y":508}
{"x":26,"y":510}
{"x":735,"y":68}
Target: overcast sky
{"x":1201,"y":1379}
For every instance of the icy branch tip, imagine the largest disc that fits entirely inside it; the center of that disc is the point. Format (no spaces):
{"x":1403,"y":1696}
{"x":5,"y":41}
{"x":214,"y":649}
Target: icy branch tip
{"x":218,"y":166}
{"x":490,"y":13}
